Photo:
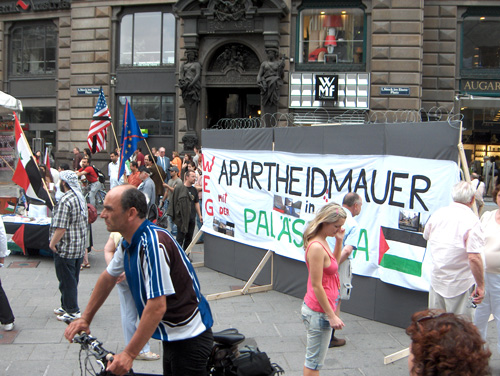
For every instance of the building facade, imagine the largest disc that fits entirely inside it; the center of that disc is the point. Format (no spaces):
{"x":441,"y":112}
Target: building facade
{"x":355,"y":57}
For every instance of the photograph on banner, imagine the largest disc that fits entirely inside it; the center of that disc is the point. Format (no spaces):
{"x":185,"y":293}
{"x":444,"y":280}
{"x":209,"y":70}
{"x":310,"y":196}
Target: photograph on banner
{"x":265,"y":199}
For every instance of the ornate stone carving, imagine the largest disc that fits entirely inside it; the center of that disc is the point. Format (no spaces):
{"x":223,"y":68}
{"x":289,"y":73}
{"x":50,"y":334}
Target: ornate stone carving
{"x":236,"y":57}
{"x":229,"y":10}
{"x":190,"y":140}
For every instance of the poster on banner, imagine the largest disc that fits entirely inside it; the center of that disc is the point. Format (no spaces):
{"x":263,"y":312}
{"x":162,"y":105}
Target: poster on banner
{"x":265,"y":199}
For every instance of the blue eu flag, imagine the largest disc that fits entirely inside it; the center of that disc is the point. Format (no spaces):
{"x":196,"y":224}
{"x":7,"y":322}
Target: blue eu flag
{"x":131,"y":135}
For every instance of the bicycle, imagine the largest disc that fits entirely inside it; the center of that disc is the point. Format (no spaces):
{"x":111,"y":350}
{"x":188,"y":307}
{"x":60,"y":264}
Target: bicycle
{"x":222,"y":361}
{"x":99,"y":196}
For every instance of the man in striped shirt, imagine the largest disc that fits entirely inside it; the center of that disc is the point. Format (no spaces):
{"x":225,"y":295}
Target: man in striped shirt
{"x":164,"y":286}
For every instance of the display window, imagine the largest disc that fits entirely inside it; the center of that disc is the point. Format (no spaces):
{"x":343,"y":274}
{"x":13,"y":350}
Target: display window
{"x":153,"y":112}
{"x":33,"y":49}
{"x":332,"y":36}
{"x":480,"y":35}
{"x":147,"y":39}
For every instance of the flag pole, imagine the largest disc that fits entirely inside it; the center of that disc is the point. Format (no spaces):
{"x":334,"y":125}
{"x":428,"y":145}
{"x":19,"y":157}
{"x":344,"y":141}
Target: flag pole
{"x":32,"y":156}
{"x":7,"y":163}
{"x":153,"y":158}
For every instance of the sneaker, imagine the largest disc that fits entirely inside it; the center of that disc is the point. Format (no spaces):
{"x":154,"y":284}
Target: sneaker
{"x":8,"y":327}
{"x":59,"y":311}
{"x":336,"y":342}
{"x":69,"y":316}
{"x":147,"y":356}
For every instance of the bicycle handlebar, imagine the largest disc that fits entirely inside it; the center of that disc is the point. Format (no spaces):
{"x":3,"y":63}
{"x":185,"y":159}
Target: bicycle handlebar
{"x":90,"y":343}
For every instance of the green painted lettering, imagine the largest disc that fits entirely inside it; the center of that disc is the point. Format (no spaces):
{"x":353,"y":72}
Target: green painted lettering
{"x":363,"y":244}
{"x":248,"y":219}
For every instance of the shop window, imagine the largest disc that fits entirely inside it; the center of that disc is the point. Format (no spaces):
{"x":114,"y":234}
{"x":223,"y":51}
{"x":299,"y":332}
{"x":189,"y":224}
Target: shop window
{"x":147,"y":39}
{"x":332,"y":36}
{"x":480,"y":48}
{"x":33,"y":50}
{"x":153,"y":112}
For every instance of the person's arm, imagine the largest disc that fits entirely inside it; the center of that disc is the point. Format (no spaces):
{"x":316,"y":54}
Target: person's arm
{"x":56,"y":238}
{"x":477,"y":269}
{"x":316,"y":259}
{"x":109,"y":250}
{"x":198,"y":211}
{"x":346,"y":252}
{"x":83,"y":172}
{"x":151,"y":317}
{"x":339,"y":237}
{"x":101,"y":291}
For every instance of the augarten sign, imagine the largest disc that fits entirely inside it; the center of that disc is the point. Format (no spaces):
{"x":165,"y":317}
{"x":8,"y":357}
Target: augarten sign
{"x":22,"y":6}
{"x":327,"y":88}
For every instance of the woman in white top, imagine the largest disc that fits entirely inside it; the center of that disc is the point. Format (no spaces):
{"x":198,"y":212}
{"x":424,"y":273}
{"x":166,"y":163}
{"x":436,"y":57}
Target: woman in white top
{"x":490,"y":222}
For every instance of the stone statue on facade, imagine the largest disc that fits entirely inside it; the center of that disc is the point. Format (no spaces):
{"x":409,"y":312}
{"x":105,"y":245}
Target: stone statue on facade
{"x":270,"y":80}
{"x":190,"y":84}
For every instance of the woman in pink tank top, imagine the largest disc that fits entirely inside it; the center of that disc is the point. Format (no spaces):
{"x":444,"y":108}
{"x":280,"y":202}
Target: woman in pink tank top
{"x":323,"y":286}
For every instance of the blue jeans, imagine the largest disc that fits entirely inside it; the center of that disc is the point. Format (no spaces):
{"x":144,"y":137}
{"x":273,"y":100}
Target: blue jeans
{"x":188,"y":357}
{"x":319,"y":333}
{"x":94,"y":187}
{"x":68,"y":274}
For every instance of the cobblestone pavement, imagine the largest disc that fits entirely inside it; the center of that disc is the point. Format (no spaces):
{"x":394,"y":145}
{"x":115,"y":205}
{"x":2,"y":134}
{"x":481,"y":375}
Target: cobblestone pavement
{"x":271,"y":319}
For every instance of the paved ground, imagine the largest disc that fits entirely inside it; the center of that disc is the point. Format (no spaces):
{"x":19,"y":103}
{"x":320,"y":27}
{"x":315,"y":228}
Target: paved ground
{"x":271,"y":319}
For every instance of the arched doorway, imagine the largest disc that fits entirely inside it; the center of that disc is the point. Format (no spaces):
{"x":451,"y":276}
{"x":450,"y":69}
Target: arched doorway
{"x":231,"y":84}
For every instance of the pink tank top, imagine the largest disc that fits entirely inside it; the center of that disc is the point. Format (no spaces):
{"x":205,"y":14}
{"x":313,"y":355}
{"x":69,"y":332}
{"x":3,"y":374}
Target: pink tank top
{"x":331,"y":284}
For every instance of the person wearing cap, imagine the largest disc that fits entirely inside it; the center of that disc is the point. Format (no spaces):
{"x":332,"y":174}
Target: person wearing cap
{"x":147,"y":186}
{"x":173,"y":182}
{"x":68,"y":240}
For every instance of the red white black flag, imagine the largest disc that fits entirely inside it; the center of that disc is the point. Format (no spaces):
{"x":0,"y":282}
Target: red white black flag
{"x":27,"y":174}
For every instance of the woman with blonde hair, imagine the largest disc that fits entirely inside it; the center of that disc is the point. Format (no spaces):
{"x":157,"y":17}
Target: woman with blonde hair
{"x":323,"y":285}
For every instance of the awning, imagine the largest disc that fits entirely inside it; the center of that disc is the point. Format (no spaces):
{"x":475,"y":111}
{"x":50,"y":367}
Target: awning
{"x":8,"y":102}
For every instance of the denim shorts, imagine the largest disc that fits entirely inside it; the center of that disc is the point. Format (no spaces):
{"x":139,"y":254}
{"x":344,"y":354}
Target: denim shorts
{"x":319,"y":333}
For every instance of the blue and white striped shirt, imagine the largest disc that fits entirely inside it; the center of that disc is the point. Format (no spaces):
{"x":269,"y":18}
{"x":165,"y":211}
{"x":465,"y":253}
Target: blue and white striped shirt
{"x":155,"y":265}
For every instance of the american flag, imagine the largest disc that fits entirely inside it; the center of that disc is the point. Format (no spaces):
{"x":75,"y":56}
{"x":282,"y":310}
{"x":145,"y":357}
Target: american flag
{"x":100,"y":121}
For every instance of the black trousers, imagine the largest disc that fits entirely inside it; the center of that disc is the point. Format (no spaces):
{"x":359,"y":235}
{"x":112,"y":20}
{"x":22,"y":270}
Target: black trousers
{"x":188,"y":357}
{"x":185,"y":238}
{"x":6,"y":315}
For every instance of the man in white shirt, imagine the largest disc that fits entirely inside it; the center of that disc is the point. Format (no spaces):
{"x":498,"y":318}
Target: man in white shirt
{"x":351,"y":203}
{"x":455,"y":239}
{"x":113,"y":168}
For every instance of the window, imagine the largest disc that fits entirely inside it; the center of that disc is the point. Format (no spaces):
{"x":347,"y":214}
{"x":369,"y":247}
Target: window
{"x":480,"y":36}
{"x":147,"y":39}
{"x":153,"y":112}
{"x":332,"y":36}
{"x":33,"y":50}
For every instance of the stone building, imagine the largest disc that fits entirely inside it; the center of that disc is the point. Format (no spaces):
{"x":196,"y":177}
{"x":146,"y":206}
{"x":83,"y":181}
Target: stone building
{"x":355,"y":56}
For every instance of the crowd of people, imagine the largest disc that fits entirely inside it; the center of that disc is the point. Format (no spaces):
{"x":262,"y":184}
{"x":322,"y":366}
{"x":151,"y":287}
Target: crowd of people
{"x":448,"y":338}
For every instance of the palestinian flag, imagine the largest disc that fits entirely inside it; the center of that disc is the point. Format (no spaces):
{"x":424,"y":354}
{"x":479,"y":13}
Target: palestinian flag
{"x":411,"y":250}
{"x":27,"y":174}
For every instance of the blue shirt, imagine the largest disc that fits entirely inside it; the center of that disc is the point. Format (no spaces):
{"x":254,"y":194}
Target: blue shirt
{"x":155,"y":265}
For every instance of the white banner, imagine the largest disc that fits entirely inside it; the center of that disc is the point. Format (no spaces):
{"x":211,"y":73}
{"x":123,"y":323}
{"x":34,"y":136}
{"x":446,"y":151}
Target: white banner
{"x":264,"y":199}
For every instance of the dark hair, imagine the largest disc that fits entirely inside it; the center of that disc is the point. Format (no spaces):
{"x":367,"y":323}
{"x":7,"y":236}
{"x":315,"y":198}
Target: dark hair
{"x":114,"y":153}
{"x":64,"y":166}
{"x":192,"y":164}
{"x":134,"y":163}
{"x":87,"y":151}
{"x":350,"y":199}
{"x":151,"y":157}
{"x":133,"y":198}
{"x":446,"y":344}
{"x":494,"y":192}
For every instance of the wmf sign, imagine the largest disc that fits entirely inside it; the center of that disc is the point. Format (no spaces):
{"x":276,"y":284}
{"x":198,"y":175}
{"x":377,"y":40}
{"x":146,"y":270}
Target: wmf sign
{"x":327,"y":88}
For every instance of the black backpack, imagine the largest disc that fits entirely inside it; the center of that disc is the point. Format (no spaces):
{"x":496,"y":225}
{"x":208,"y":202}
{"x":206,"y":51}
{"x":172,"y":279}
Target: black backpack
{"x":100,"y":175}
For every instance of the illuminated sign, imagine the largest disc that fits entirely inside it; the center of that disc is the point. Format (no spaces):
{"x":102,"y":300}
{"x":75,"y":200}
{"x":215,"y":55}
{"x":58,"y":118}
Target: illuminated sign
{"x":327,"y":88}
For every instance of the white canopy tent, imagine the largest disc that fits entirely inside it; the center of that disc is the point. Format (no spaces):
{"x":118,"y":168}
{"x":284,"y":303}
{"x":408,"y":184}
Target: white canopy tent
{"x":8,"y":103}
